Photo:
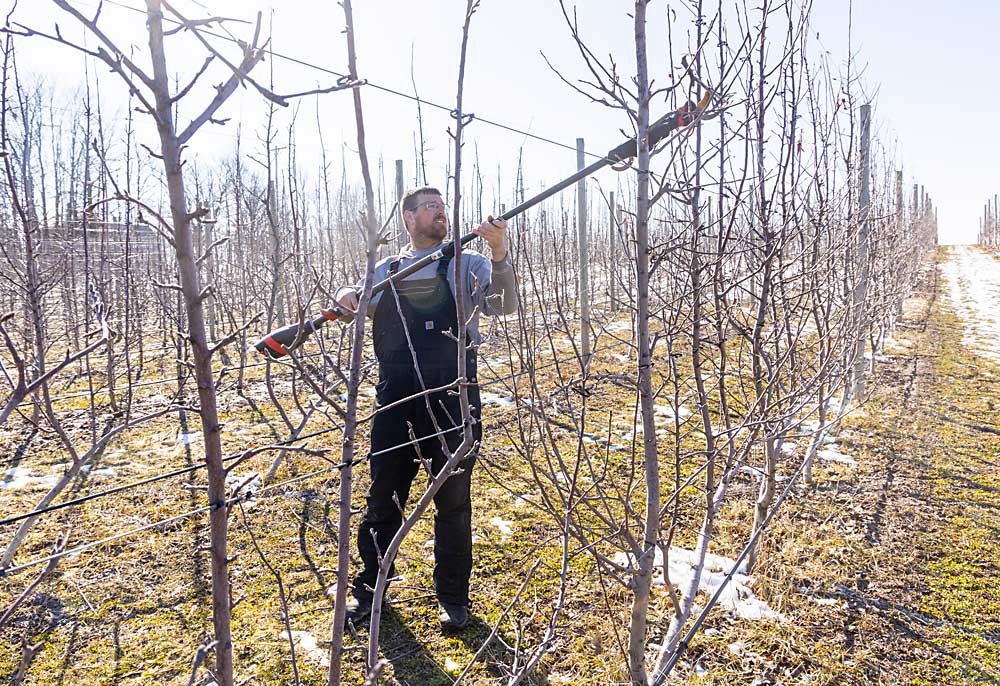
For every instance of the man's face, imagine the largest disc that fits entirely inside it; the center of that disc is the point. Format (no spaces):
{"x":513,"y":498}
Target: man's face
{"x":429,"y":221}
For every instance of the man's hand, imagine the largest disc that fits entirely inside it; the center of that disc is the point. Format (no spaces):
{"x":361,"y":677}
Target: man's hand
{"x":347,"y":300}
{"x":495,"y":233}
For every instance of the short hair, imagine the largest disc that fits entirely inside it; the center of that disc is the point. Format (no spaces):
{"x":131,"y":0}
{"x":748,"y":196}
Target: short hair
{"x":408,"y":203}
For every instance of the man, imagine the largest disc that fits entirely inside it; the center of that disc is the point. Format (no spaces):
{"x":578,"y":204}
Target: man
{"x":418,"y":320}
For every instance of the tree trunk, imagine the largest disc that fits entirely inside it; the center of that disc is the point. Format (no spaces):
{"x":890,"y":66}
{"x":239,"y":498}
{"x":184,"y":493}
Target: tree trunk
{"x":643,"y":576}
{"x":193,"y":304}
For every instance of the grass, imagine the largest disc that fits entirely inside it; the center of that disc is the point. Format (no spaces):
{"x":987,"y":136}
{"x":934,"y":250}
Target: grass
{"x":884,"y":573}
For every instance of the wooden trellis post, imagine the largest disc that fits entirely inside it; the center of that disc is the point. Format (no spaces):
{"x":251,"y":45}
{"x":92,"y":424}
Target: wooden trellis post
{"x":581,"y":222}
{"x":399,"y":194}
{"x":861,"y":289}
{"x":612,"y":265}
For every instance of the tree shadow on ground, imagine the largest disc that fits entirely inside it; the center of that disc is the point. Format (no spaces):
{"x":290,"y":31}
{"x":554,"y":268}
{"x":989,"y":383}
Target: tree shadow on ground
{"x":309,"y":499}
{"x":93,"y":463}
{"x":976,"y":458}
{"x":44,"y":613}
{"x":18,"y":453}
{"x":499,"y":655}
{"x":968,"y":667}
{"x":261,"y":418}
{"x":413,"y":662}
{"x":965,"y":483}
{"x":874,"y":525}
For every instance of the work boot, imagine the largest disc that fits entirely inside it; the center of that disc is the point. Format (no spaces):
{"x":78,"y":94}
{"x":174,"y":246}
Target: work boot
{"x":453,"y":617}
{"x":358,"y":610}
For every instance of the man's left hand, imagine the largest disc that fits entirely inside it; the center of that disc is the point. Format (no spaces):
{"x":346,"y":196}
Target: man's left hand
{"x":495,"y":233}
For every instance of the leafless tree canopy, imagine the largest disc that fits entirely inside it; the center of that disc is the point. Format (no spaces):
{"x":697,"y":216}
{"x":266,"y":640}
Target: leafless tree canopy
{"x":738,"y":280}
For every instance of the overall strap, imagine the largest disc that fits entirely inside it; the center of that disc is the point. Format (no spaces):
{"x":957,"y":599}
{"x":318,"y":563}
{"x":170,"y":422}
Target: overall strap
{"x":442,"y":270}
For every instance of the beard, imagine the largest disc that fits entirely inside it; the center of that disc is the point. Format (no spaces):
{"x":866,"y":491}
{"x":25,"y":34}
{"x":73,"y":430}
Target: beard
{"x":436,"y":229}
{"x":440,"y":226}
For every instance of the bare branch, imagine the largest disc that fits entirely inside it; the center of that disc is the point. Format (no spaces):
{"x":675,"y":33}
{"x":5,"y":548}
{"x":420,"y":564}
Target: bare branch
{"x":184,"y":91}
{"x":61,"y":540}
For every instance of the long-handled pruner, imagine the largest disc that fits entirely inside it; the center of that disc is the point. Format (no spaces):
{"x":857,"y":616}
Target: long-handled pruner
{"x":278,"y":343}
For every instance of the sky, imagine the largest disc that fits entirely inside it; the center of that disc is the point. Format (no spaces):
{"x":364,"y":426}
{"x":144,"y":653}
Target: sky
{"x":928,"y":68}
{"x":931,"y":69}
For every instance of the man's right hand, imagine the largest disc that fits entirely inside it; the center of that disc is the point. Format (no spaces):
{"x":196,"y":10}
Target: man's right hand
{"x":347,"y":301}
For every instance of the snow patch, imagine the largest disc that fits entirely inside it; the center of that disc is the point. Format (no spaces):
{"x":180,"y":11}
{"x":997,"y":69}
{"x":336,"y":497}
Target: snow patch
{"x":505,"y":525}
{"x":488,"y":398}
{"x":20,"y":477}
{"x":974,"y":289}
{"x":826,"y":601}
{"x":668,"y":411}
{"x":834,"y":455}
{"x":630,"y":436}
{"x":525,"y":501}
{"x":310,"y":647}
{"x":244,"y":484}
{"x":736,"y":596}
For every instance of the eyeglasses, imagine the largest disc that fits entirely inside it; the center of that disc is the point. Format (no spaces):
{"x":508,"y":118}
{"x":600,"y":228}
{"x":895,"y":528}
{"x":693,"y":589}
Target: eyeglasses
{"x":432,"y":205}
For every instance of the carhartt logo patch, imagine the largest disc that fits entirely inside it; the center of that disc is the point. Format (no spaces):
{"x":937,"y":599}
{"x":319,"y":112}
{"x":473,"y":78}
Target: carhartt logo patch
{"x":429,"y":326}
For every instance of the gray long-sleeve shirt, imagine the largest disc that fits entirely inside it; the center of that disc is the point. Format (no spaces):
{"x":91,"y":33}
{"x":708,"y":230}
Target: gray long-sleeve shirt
{"x":488,"y":287}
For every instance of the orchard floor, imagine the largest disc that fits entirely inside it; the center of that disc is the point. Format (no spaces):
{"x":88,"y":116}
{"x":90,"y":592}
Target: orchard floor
{"x":883,"y":573}
{"x":901,"y":558}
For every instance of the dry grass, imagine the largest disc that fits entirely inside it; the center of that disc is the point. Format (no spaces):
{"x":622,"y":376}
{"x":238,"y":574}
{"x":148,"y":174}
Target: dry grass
{"x":884,"y":573}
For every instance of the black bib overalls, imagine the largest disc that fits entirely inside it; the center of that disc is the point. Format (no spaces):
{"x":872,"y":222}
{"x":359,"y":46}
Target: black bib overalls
{"x":428,"y":311}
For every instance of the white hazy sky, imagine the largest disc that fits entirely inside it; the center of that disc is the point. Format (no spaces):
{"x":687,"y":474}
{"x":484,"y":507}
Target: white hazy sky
{"x":930,"y":69}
